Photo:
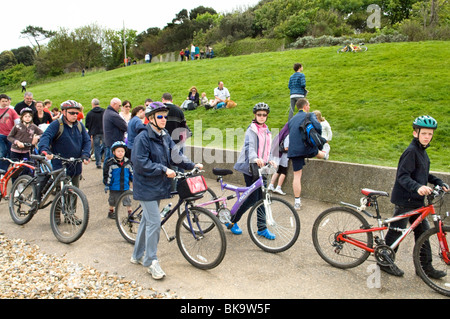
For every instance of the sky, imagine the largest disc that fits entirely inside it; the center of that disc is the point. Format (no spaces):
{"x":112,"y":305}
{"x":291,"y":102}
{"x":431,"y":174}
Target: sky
{"x":137,"y":15}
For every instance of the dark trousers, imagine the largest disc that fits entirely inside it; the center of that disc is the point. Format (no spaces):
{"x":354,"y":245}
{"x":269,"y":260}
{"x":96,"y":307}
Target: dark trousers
{"x":249,"y":202}
{"x":393,"y":235}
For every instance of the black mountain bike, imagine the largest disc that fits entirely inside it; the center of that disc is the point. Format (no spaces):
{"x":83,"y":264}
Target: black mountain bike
{"x":69,"y":213}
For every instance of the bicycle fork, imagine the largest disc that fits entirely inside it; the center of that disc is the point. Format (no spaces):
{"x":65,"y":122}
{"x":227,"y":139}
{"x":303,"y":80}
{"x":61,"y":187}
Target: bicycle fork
{"x":268,"y":208}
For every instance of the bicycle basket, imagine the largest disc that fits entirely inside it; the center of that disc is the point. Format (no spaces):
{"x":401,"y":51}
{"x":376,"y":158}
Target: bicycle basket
{"x":191,"y":186}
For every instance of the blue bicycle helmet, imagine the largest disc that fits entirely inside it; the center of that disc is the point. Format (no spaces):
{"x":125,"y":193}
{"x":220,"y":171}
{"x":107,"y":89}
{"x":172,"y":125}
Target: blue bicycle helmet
{"x":425,"y":121}
{"x":117,"y":145}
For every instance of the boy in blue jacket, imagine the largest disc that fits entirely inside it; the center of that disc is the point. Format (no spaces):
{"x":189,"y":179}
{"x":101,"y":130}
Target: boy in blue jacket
{"x":117,"y":176}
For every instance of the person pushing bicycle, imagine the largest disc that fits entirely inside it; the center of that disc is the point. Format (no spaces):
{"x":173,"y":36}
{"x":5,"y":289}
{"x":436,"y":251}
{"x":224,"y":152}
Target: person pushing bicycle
{"x":255,"y":154}
{"x":73,"y":141}
{"x":154,"y":152}
{"x":410,"y":189}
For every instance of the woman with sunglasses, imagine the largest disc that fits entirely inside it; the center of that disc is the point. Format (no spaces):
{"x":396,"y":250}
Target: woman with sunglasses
{"x":154,"y":152}
{"x":255,"y":153}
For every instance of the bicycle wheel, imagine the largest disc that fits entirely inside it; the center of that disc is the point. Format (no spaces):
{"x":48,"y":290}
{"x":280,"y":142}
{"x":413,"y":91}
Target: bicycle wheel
{"x":342,"y":49}
{"x":20,"y":200}
{"x":128,"y":216}
{"x":201,"y":249}
{"x":280,"y":218}
{"x":331,"y":223}
{"x":213,"y":208}
{"x":429,"y":240}
{"x":69,"y":214}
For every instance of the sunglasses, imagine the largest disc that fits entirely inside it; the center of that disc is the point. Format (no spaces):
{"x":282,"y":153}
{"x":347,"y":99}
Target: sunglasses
{"x":73,"y":113}
{"x":159,"y":117}
{"x":261,"y":114}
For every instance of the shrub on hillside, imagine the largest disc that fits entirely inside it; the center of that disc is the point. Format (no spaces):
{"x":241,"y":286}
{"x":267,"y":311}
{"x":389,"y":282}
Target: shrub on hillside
{"x":12,"y":77}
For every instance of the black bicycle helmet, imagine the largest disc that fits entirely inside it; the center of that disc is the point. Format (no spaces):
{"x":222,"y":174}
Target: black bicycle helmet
{"x":117,"y":145}
{"x":425,"y":121}
{"x":155,"y":107}
{"x":26,"y":110}
{"x":70,"y":104}
{"x":261,"y":106}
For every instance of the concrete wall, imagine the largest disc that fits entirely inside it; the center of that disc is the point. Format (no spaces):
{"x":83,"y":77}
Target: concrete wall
{"x":327,"y":181}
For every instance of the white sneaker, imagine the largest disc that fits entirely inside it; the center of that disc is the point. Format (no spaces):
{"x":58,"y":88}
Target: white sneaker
{"x":297,"y":206}
{"x":326,"y":149}
{"x":279,"y":191}
{"x":137,"y":261}
{"x":270,"y":188}
{"x":155,"y":270}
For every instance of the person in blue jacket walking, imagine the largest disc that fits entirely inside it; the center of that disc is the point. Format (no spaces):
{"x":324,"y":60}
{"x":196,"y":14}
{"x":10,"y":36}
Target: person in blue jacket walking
{"x":297,"y":87}
{"x":154,"y":152}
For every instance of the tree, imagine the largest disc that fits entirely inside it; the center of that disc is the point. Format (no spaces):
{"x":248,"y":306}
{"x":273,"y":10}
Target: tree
{"x":24,"y":55}
{"x":7,"y":60}
{"x":38,"y":34}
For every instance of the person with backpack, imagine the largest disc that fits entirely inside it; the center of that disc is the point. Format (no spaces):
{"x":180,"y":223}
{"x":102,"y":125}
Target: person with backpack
{"x":67,"y":137}
{"x":299,"y":148}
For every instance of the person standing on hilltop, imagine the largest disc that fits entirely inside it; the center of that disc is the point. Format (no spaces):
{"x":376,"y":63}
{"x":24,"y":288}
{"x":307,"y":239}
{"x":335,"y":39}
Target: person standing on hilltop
{"x":297,"y":87}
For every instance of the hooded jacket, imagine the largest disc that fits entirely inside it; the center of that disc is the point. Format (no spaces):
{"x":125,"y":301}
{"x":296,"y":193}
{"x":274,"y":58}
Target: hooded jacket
{"x":297,"y":147}
{"x":94,"y":121}
{"x":153,"y":154}
{"x":249,"y":151}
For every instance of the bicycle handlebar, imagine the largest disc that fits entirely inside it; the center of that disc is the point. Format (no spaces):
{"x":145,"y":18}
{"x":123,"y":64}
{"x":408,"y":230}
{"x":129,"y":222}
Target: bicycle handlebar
{"x":55,"y":156}
{"x":194,"y":171}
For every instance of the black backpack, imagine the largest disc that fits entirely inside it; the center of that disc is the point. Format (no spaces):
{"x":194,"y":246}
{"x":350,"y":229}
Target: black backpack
{"x":311,"y":137}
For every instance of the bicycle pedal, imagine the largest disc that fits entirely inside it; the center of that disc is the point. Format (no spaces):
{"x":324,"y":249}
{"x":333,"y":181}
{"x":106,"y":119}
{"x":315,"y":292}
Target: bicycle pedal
{"x":172,"y":238}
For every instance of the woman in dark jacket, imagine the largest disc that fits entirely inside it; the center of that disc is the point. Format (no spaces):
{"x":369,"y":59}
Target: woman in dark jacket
{"x":152,"y":158}
{"x":194,"y":96}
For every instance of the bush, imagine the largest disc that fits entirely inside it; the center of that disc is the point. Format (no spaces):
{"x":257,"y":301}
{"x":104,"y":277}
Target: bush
{"x":12,"y":77}
{"x":247,"y":46}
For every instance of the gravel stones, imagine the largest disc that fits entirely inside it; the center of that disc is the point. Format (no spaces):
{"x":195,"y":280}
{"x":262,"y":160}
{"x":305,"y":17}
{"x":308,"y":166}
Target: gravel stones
{"x":28,"y":273}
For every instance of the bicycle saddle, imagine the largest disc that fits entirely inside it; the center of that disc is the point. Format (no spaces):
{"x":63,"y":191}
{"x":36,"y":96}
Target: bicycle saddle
{"x":371,"y":192}
{"x":221,"y":171}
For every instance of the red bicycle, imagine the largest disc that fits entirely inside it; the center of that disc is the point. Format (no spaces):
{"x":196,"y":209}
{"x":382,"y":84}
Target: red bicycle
{"x":344,"y":238}
{"x":13,"y":172}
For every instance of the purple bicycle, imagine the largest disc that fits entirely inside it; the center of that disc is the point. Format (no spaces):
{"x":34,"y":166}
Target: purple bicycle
{"x":273,"y":213}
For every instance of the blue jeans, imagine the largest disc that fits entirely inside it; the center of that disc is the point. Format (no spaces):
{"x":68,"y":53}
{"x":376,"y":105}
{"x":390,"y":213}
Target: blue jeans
{"x":108,"y":154}
{"x":99,"y":148}
{"x":147,"y":237}
{"x":5,"y":151}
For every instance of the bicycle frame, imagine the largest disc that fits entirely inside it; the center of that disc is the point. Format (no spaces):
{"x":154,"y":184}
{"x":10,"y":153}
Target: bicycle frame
{"x":384,"y":225}
{"x":9,"y":173}
{"x":241,"y":193}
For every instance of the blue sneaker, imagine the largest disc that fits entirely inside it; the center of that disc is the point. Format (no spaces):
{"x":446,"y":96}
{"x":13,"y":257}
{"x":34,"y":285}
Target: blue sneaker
{"x":235,"y":229}
{"x":266,"y":233}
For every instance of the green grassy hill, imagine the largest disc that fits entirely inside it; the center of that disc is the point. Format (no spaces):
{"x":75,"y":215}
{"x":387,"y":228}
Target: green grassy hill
{"x":370,"y":99}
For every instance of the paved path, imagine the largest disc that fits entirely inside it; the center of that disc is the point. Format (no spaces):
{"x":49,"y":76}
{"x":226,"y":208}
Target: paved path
{"x":246,"y":272}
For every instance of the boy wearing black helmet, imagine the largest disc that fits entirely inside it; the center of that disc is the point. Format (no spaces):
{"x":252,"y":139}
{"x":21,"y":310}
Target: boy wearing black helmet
{"x":410,"y":188}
